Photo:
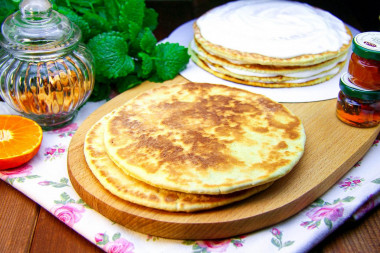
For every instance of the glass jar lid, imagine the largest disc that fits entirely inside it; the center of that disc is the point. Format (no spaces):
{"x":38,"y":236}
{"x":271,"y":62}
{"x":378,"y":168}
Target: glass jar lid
{"x":367,"y":45}
{"x":352,"y":90}
{"x":37,"y":29}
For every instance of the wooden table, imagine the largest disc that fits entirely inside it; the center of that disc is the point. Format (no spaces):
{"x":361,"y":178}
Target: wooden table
{"x":26,"y":227}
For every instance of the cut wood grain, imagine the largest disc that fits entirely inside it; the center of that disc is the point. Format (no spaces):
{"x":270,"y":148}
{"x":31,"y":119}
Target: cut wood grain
{"x":332,"y":148}
{"x":18,"y":217}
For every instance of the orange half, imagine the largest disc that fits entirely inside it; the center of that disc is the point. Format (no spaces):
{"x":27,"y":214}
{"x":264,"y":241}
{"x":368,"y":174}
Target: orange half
{"x":20,"y":140}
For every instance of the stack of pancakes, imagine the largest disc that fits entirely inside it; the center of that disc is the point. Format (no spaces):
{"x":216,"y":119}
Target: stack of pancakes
{"x":190,"y":147}
{"x":270,"y":43}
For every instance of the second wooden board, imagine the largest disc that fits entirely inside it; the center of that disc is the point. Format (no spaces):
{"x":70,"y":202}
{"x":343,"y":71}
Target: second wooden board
{"x":332,"y":148}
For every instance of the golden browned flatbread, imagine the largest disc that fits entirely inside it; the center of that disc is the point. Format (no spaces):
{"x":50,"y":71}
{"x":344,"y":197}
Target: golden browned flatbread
{"x":204,"y":138}
{"x":135,"y":191}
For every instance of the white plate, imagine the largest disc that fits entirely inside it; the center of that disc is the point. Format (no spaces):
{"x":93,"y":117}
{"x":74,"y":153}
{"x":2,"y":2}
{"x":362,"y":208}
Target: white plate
{"x":323,"y":91}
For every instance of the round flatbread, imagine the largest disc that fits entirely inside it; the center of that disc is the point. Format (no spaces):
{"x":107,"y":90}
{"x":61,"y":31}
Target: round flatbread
{"x":135,"y":191}
{"x":204,"y":138}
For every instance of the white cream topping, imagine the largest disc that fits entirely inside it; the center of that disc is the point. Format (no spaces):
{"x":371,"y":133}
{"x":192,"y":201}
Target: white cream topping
{"x":281,"y":29}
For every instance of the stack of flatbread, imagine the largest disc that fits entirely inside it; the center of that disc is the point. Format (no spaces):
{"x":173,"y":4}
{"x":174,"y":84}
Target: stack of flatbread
{"x":270,"y":43}
{"x":190,"y":147}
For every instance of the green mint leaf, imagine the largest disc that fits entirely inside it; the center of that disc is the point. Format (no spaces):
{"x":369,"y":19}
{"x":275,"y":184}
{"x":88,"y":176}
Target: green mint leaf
{"x":169,"y":60}
{"x":111,"y":56}
{"x":133,"y":30}
{"x":150,"y":19}
{"x":131,"y":11}
{"x":122,"y":35}
{"x":144,"y":42}
{"x":146,"y":66}
{"x":126,"y":83}
{"x":112,"y":11}
{"x":148,"y":41}
{"x":96,"y":23}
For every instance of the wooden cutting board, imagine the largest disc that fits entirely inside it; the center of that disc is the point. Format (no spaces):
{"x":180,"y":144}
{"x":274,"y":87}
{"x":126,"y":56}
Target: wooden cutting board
{"x":332,"y":148}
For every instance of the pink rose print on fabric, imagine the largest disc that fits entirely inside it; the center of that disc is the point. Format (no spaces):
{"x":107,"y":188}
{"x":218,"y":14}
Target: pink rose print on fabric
{"x":211,"y":246}
{"x":214,"y":246}
{"x":64,"y":182}
{"x":350,"y":183}
{"x":277,"y":239}
{"x":54,"y":152}
{"x":68,"y":130}
{"x":117,"y":245}
{"x":332,"y":212}
{"x":68,"y":210}
{"x":21,"y":171}
{"x":326,"y":212}
{"x":69,"y":213}
{"x":18,"y":174}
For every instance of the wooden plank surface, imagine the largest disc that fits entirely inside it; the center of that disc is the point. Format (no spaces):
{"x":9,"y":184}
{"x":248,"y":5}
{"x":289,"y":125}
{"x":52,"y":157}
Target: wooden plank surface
{"x":18,"y":217}
{"x":328,"y":156}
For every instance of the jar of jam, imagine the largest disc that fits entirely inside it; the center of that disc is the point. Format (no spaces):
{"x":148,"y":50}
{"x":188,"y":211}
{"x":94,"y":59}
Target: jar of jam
{"x":357,"y":106}
{"x":364,"y":65}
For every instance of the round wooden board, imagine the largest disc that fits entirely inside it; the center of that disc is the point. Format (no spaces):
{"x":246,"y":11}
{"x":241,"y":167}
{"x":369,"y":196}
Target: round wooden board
{"x":332,"y":148}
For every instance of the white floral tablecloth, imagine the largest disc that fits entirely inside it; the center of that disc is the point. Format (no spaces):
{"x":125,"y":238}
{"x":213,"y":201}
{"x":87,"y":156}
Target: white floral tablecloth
{"x":46,"y":175}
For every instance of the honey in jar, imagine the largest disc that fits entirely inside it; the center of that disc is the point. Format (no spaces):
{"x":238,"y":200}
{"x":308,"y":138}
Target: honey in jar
{"x":357,"y":106}
{"x":46,"y":72}
{"x":364,"y":65}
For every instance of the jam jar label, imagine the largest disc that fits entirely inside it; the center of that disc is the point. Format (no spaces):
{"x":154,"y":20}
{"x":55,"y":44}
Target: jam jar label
{"x":369,"y":40}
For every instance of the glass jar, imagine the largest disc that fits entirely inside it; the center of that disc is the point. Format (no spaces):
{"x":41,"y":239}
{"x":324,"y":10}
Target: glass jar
{"x":357,"y":106}
{"x":364,"y":65}
{"x":46,"y":73}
